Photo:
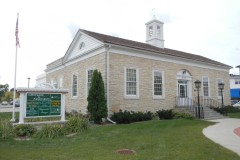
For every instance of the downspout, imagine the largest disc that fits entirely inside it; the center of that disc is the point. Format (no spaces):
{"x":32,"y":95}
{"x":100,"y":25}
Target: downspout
{"x":107,"y":66}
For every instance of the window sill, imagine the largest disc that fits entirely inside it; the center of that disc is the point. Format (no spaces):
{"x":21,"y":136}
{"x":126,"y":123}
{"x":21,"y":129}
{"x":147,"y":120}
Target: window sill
{"x":131,"y":97}
{"x":158,"y":97}
{"x":75,"y":97}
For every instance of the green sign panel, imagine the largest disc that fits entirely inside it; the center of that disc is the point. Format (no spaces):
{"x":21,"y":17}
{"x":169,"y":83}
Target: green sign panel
{"x":43,"y":104}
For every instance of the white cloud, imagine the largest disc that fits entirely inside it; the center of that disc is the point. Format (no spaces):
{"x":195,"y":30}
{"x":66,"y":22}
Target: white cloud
{"x":46,"y":29}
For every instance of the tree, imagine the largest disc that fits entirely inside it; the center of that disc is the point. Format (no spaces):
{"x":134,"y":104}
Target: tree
{"x":97,"y":104}
{"x":3,"y":90}
{"x":8,"y":96}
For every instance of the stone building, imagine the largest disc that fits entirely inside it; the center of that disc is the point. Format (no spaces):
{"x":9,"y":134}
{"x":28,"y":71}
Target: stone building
{"x":137,"y":76}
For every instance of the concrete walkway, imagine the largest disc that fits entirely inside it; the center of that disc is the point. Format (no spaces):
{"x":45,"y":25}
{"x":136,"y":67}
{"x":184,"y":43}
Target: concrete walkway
{"x":225,"y":133}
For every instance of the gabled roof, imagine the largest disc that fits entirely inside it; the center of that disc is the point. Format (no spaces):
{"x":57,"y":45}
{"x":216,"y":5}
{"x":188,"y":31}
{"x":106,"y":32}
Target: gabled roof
{"x":107,"y":39}
{"x":144,"y":46}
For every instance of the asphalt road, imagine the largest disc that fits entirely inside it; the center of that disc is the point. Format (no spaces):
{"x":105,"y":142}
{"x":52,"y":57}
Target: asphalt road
{"x":8,"y":108}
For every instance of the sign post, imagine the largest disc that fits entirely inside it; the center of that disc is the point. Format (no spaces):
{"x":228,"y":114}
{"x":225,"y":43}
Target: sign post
{"x":41,"y":103}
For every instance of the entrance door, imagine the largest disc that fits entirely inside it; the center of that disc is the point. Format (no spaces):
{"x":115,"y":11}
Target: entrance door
{"x":182,"y":92}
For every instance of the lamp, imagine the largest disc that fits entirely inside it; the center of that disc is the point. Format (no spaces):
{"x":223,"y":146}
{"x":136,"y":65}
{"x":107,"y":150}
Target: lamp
{"x":221,"y":87}
{"x":28,"y":81}
{"x":198,"y":85}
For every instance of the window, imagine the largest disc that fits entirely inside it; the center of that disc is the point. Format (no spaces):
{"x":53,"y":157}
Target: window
{"x":158,"y":84}
{"x":150,"y":30}
{"x":131,"y":82}
{"x":205,"y":86}
{"x":74,"y":85}
{"x":218,"y":90}
{"x":237,"y":81}
{"x":158,"y":30}
{"x":89,"y":78}
{"x":82,"y":45}
{"x":55,"y":84}
{"x":61,"y":82}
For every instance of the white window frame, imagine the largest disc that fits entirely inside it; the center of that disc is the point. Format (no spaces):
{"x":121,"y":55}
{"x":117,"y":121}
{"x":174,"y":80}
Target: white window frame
{"x":60,"y":82}
{"x":158,"y":29}
{"x":87,"y":83}
{"x":150,"y":31}
{"x":55,"y":84}
{"x":125,"y":84}
{"x":219,"y":79}
{"x":163,"y":85}
{"x":51,"y":82}
{"x":208,"y":86}
{"x":74,"y":96}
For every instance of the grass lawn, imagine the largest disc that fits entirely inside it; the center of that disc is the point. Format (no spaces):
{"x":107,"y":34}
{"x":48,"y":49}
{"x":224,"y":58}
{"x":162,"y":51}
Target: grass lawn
{"x":234,"y":115}
{"x":152,"y":140}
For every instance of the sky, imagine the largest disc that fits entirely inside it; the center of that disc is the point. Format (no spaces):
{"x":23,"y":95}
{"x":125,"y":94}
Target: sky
{"x":210,"y":28}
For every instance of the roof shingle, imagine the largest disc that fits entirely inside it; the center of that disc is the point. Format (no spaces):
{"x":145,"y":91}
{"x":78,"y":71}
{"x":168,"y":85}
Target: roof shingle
{"x":144,"y":46}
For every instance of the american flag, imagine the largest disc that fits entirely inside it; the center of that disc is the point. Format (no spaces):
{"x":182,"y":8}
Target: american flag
{"x":16,"y":33}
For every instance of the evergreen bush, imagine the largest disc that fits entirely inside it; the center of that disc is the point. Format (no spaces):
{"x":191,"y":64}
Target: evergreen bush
{"x":130,"y":116}
{"x":178,"y":115}
{"x":97,"y":104}
{"x":165,"y":114}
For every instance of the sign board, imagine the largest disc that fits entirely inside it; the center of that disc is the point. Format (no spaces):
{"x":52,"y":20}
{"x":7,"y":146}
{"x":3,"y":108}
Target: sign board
{"x":43,"y":104}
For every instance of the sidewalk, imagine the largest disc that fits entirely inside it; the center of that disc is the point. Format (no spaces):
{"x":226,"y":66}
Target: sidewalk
{"x":223,"y":133}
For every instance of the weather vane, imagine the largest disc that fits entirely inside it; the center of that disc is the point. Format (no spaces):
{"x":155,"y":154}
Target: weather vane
{"x":154,"y":14}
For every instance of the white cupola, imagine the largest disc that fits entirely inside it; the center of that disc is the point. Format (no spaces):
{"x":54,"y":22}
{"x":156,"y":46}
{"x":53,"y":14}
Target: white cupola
{"x":154,"y":33}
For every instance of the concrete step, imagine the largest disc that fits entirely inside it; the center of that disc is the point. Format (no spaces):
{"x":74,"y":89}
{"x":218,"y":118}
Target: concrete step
{"x":211,"y":114}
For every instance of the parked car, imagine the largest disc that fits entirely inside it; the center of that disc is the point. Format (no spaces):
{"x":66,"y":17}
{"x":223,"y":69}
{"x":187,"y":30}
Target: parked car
{"x":237,"y":104}
{"x":233,"y":102}
{"x":17,"y":103}
{"x":4,"y":103}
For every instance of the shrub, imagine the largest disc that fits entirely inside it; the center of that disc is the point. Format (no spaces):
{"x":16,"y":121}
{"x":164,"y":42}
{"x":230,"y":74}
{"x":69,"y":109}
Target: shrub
{"x":24,"y":130}
{"x":231,"y":109}
{"x":130,"y":116}
{"x":97,"y":104}
{"x":140,"y":116}
{"x":50,"y":131}
{"x":165,"y":114}
{"x":179,"y":115}
{"x":6,"y":129}
{"x":76,"y":124}
{"x":226,"y":109}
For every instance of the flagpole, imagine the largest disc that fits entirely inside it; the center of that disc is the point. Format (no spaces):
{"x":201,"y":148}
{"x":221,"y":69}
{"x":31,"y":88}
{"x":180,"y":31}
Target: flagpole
{"x":14,"y":93}
{"x":15,"y":73}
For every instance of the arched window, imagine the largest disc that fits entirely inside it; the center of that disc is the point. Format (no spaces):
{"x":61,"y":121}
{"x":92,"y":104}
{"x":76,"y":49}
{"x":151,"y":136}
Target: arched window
{"x":150,"y":30}
{"x":82,"y":45}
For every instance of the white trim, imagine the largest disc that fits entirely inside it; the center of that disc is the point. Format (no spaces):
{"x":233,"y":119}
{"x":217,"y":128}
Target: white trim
{"x":185,"y":76}
{"x":208,"y":87}
{"x":74,"y":97}
{"x":137,"y":81}
{"x":163,"y":85}
{"x":61,"y":82}
{"x":167,"y":58}
{"x":75,"y":41}
{"x":82,"y":57}
{"x":108,"y":72}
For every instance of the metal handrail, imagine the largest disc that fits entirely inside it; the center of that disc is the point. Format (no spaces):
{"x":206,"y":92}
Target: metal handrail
{"x":191,"y":105}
